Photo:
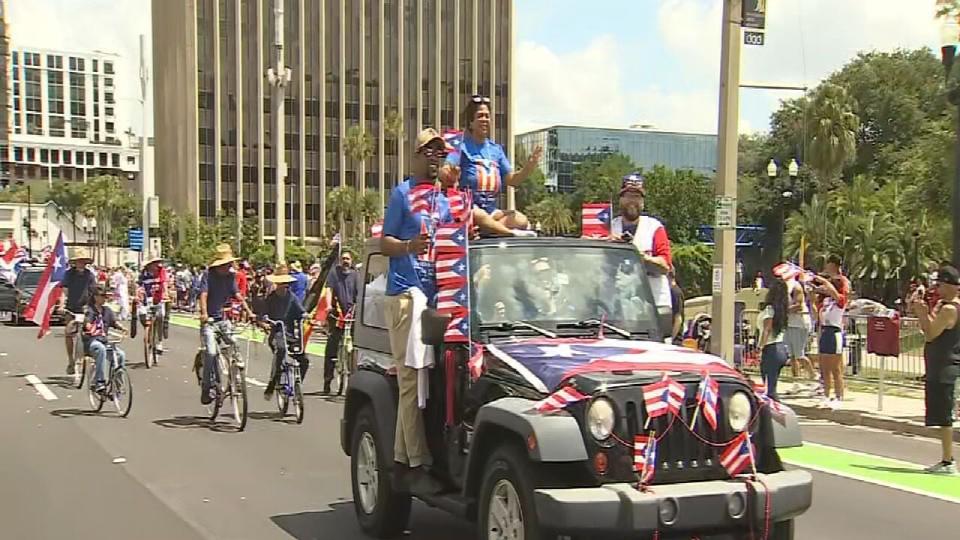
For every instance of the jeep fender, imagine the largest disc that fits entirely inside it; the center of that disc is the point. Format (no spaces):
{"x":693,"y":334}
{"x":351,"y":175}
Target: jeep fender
{"x":373,"y":388}
{"x":786,"y":429}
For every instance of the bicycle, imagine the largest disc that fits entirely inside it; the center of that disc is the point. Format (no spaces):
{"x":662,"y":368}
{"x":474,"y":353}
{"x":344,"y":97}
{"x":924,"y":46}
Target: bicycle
{"x":344,"y":353}
{"x":119,"y":389}
{"x":79,"y":356}
{"x":231,"y":370}
{"x":151,"y":332}
{"x":290,"y":385}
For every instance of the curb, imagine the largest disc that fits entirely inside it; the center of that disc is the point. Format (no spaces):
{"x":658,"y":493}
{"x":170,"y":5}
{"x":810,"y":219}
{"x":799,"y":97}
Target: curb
{"x":873,"y":420}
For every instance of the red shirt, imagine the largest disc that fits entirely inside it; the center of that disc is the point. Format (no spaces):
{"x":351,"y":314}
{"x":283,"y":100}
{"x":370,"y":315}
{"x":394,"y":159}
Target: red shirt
{"x":242,"y":285}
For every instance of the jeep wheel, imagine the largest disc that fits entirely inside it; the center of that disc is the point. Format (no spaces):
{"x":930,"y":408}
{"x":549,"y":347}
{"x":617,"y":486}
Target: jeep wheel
{"x":381,"y":511}
{"x":506,"y":498}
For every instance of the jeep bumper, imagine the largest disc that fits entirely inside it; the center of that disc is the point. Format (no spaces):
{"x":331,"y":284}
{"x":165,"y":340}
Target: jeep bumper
{"x":723,"y":505}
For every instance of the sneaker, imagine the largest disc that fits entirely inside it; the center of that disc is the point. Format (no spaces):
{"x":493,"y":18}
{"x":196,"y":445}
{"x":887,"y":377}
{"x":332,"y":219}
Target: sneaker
{"x":524,"y":233}
{"x":834,"y":404}
{"x":99,"y":387}
{"x":70,"y":369}
{"x":944,"y":467}
{"x":159,"y":348}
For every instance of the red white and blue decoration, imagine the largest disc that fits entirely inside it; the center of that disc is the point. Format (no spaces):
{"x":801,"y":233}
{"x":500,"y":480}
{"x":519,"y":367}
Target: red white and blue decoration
{"x":451,"y":268}
{"x":376,"y":230}
{"x":11,"y":259}
{"x":48,"y":288}
{"x":595,"y":220}
{"x":645,"y":457}
{"x":663,"y":397}
{"x":708,"y":393}
{"x":453,"y":298}
{"x":777,"y":409}
{"x":453,"y":140}
{"x":737,"y":457}
{"x":547,"y":363}
{"x":560,"y":399}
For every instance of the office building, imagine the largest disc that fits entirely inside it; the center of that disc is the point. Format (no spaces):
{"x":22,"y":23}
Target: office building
{"x":566,"y":146}
{"x":4,"y":92}
{"x":353,"y":63}
{"x":64,"y":121}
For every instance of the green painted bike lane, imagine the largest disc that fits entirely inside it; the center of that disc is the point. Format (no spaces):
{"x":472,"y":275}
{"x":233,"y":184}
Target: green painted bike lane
{"x":878,"y":470}
{"x":250,"y":334}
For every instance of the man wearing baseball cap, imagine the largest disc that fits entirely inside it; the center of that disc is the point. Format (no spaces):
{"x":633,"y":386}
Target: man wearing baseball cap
{"x":647,"y":234}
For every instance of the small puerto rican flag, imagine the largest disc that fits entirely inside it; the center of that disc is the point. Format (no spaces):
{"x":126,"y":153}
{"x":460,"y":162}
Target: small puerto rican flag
{"x":376,"y":230}
{"x":458,"y":331}
{"x":663,"y":397}
{"x":644,"y":457}
{"x":451,"y":238}
{"x":452,"y":299}
{"x":475,"y":363}
{"x":738,"y":455}
{"x":595,"y":220}
{"x":559,"y":400}
{"x":707,"y":395}
{"x":451,"y":268}
{"x":776,"y":408}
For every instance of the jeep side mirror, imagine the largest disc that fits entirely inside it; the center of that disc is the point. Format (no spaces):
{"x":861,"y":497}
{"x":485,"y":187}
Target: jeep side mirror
{"x":433,"y":326}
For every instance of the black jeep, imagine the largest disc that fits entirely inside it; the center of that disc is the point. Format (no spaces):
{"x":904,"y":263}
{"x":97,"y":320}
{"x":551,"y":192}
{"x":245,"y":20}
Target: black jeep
{"x":552,"y":312}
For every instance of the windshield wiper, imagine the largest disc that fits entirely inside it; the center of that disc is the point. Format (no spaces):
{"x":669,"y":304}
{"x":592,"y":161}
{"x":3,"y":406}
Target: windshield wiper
{"x":513,"y":325}
{"x":590,"y":323}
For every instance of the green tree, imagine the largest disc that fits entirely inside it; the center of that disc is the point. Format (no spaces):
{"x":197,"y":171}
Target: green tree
{"x":554,"y":215}
{"x":296,"y":251}
{"x":598,"y":178}
{"x":533,"y":189}
{"x":693,"y":263}
{"x":358,"y":146}
{"x":344,"y":206}
{"x":69,"y":198}
{"x":832,"y":126}
{"x":394,"y":129}
{"x":683,"y":200}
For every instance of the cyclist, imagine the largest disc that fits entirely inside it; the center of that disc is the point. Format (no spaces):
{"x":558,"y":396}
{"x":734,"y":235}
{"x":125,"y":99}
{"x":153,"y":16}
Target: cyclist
{"x":282,"y":305}
{"x":98,"y":319}
{"x":79,"y":285}
{"x":152,"y":289}
{"x":343,"y":282}
{"x":218,"y":289}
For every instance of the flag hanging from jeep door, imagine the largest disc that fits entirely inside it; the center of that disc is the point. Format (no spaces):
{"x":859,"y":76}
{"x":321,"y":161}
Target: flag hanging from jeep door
{"x":453,"y":298}
{"x":595,"y":220}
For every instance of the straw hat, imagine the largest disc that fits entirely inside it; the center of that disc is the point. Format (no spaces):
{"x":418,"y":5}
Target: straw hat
{"x":81,"y":253}
{"x":281,"y":277}
{"x":150,"y":260}
{"x":223,"y":254}
{"x":296,"y":266}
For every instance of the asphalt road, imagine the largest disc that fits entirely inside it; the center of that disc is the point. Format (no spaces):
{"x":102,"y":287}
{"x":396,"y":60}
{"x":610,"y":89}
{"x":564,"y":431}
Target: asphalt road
{"x":181,"y":478}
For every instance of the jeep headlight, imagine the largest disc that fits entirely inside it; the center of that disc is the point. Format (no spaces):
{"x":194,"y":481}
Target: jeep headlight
{"x":738,"y":411}
{"x":600,"y":418}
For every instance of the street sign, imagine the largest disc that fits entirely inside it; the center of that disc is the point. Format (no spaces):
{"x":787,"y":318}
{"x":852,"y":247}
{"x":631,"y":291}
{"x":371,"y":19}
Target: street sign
{"x":135,"y":239}
{"x":753,"y":38}
{"x":726,"y":212}
{"x":754,"y":14}
{"x":717,"y":278}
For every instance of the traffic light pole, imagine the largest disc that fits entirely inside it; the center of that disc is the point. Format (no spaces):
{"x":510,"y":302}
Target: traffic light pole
{"x":724,"y":256}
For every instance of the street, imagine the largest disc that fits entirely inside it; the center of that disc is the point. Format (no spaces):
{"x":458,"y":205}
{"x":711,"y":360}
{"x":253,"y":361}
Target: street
{"x":166,"y":473}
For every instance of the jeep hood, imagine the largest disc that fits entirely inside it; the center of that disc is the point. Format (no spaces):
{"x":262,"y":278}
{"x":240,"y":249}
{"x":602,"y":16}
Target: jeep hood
{"x":547,"y":363}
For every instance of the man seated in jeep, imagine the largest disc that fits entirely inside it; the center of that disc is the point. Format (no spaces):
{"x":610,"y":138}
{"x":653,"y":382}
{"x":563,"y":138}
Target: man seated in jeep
{"x":411,"y":278}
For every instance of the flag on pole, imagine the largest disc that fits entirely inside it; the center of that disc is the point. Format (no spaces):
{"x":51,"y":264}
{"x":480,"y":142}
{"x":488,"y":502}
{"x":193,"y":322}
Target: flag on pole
{"x":560,"y":399}
{"x":48,"y":288}
{"x":645,"y":457}
{"x":663,"y":397}
{"x":738,"y":455}
{"x":453,"y":139}
{"x":707,"y":395}
{"x":449,"y":250}
{"x":595,"y":220}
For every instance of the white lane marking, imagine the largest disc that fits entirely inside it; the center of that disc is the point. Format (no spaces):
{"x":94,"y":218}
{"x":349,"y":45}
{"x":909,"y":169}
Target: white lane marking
{"x":880,"y":483}
{"x":41,"y":388}
{"x":256,"y":382}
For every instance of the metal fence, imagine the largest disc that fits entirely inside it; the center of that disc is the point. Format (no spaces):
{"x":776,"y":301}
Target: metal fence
{"x":906,"y":368}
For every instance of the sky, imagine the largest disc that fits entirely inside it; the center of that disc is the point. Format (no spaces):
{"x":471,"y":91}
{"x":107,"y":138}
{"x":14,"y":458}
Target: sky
{"x":610,"y":63}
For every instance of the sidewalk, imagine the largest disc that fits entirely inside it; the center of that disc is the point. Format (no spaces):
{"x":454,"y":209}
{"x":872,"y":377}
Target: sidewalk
{"x":902,"y":408}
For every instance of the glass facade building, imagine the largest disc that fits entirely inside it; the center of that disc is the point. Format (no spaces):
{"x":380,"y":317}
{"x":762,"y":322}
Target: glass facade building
{"x":566,"y":146}
{"x":352,"y":62}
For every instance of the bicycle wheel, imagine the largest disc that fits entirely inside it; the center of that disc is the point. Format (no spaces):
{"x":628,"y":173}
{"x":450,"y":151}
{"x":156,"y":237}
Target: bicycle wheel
{"x":213,"y":408}
{"x":148,"y":344}
{"x":297,"y":395}
{"x":95,"y":398}
{"x":121,"y":390}
{"x":155,"y":330}
{"x":238,"y":396}
{"x":283,"y":401}
{"x":79,"y":362}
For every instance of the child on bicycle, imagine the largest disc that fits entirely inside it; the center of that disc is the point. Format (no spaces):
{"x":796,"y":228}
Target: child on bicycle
{"x":282,"y":305}
{"x":152,"y":289}
{"x":98,"y":319}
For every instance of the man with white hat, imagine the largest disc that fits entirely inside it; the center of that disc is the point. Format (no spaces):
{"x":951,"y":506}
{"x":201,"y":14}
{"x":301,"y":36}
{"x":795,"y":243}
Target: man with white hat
{"x":151,"y":290}
{"x":80,"y":286}
{"x":218,"y":288}
{"x":282,"y":305}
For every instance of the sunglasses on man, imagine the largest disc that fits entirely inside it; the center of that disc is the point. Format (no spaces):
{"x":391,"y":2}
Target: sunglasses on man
{"x":477,"y":98}
{"x":433,"y":153}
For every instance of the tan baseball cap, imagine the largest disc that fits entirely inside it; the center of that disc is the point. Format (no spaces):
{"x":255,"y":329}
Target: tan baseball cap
{"x":426,"y":137}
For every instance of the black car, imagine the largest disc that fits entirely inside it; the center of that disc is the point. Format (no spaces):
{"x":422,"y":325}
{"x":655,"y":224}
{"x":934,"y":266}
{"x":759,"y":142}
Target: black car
{"x":14,"y":297}
{"x":554,"y":313}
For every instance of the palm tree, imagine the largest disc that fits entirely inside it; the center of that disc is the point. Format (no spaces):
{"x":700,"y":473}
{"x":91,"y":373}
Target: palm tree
{"x":342,"y":206}
{"x":393,"y":126}
{"x":371,"y":208}
{"x":813,"y":222}
{"x":554,"y":215}
{"x":832,"y":126}
{"x":358,"y":146}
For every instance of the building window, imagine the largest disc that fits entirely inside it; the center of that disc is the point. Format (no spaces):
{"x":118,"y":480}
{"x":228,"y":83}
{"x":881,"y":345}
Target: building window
{"x":34,"y":124}
{"x":109,"y":98}
{"x":31,"y":155}
{"x":17,"y":153}
{"x":44,"y":155}
{"x":109,"y":127}
{"x":116,"y":160}
{"x":108,"y":68}
{"x":80,"y":158}
{"x":73,"y":63}
{"x":55,"y":157}
{"x":16,"y":58}
{"x":96,"y":109}
{"x":57,"y":125}
{"x":108,"y":111}
{"x":103,"y":159}
{"x":108,"y":81}
{"x":132,"y":160}
{"x":67,"y":157}
{"x":90,"y":161}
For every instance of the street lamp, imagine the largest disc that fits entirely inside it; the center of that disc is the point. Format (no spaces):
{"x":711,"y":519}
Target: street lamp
{"x":949,"y":32}
{"x":89,"y":226}
{"x":793,"y":169}
{"x":772,"y":169}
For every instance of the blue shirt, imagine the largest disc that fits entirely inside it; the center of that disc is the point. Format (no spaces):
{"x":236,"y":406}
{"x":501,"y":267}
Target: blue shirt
{"x":408,"y":271}
{"x":483,"y":168}
{"x":220,"y":289}
{"x":286,"y":308}
{"x":299,"y":287}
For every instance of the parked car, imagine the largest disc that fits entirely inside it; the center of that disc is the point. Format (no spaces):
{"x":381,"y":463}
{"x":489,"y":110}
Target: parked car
{"x":14,"y":297}
{"x":551,"y":313}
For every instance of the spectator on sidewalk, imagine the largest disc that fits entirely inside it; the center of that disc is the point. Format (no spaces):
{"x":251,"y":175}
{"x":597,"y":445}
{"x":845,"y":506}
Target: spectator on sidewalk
{"x":799,"y":326}
{"x":773,"y":324}
{"x":834,"y":290}
{"x":941,"y":357}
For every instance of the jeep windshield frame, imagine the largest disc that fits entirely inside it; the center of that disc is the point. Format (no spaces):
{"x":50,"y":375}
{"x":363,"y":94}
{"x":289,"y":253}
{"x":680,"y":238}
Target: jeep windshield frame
{"x":552,"y":282}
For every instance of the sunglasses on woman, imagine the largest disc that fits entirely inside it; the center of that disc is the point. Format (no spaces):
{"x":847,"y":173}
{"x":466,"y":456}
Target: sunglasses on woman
{"x":477,"y":98}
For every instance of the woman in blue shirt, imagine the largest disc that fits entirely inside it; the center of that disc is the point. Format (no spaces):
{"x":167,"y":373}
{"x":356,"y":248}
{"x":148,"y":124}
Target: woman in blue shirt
{"x":483,"y":168}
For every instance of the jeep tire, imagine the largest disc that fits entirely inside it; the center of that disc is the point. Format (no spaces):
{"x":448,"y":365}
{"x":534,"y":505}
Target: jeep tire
{"x":508,"y":474}
{"x":382,"y":511}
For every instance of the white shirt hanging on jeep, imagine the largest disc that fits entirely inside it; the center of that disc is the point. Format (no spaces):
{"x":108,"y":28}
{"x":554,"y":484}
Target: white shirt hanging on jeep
{"x":419,"y":356}
{"x":651,"y":238}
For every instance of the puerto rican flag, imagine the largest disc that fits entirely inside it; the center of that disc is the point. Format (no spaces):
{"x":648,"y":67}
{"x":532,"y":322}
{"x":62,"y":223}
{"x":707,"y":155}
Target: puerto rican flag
{"x":595,"y":220}
{"x":452,"y":299}
{"x":451,"y":238}
{"x":453,"y":139}
{"x":644,"y":457}
{"x":475,"y":362}
{"x":559,"y":400}
{"x":49,"y":288}
{"x":11,"y":257}
{"x":458,"y":331}
{"x":460,"y":204}
{"x":547,"y":363}
{"x":451,"y":268}
{"x":707,"y":395}
{"x":376,"y":230}
{"x":422,"y":197}
{"x":777,"y":409}
{"x":738,"y":455}
{"x":663,"y":397}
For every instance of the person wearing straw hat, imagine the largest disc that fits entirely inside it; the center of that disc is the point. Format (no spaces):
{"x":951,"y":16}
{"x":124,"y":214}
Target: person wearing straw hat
{"x":151,"y":290}
{"x":282,"y":305}
{"x":98,"y":319}
{"x":79,"y":285}
{"x":218,"y":288}
{"x":300,"y":281}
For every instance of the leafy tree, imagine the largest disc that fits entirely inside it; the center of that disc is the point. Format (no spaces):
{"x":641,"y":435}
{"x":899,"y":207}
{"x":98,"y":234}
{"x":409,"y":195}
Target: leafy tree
{"x":343,"y":207}
{"x":69,"y":198}
{"x":394,"y":128}
{"x":832,"y":126}
{"x":554,"y":215}
{"x":296,"y":251}
{"x":682,"y":199}
{"x":693,"y":264}
{"x":533,"y":188}
{"x":369,"y":208}
{"x":598,"y":179}
{"x":358,"y":146}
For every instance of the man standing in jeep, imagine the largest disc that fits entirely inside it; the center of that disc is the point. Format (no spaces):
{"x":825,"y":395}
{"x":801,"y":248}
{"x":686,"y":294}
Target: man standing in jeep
{"x":411,"y":219}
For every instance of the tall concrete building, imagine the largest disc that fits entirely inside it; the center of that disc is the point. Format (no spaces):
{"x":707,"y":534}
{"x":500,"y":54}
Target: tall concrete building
{"x":353,"y":62}
{"x":4,"y":94}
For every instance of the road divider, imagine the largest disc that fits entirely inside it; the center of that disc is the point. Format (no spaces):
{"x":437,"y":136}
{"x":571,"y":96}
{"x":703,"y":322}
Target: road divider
{"x":41,"y":388}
